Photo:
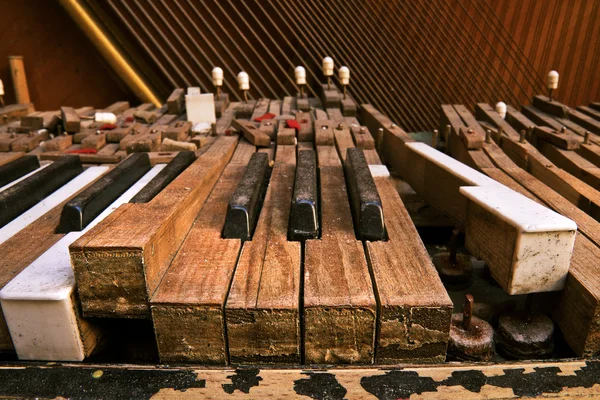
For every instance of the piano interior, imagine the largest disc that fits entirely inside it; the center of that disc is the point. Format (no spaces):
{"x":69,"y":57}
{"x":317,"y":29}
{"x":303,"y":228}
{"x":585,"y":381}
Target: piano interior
{"x":327,"y":229}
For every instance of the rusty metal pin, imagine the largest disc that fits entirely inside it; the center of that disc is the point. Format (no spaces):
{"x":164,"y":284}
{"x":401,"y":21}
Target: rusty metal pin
{"x":453,"y":247}
{"x":499,"y":134}
{"x":379,"y":139}
{"x":340,"y":126}
{"x":522,"y":136}
{"x":447,"y":132}
{"x":488,"y":136}
{"x":434,"y":138}
{"x":563,"y":129}
{"x":468,"y":312}
{"x":586,"y":137}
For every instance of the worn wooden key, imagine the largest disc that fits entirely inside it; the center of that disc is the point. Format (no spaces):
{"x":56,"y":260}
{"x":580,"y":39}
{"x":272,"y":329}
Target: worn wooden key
{"x":304,"y":220}
{"x":27,"y":193}
{"x":86,"y":206}
{"x":364,"y":198}
{"x":164,"y":177}
{"x":243,"y":208}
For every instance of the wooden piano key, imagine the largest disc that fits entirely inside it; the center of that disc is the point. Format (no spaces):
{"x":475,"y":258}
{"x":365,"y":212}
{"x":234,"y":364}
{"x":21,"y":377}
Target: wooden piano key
{"x":288,"y":105}
{"x":330,"y":96}
{"x":324,"y":133}
{"x":84,"y":208}
{"x":252,"y":133}
{"x":339,"y":301}
{"x":187,"y":307}
{"x":59,"y":143}
{"x":585,"y":121}
{"x":116,"y":135}
{"x":24,"y":195}
{"x":29,"y":141}
{"x":262,"y":309}
{"x":40,"y":305}
{"x":96,"y":141}
{"x":564,"y":140}
{"x":61,"y":195}
{"x":181,"y":161}
{"x":573,"y":163}
{"x":590,"y":112}
{"x":335,"y":115}
{"x":225,"y":121}
{"x":244,"y":205}
{"x":415,"y":310}
{"x":343,"y":140}
{"x":70,"y":120}
{"x":162,"y":224}
{"x":245,"y":110}
{"x":306,"y":131}
{"x":146,"y":142}
{"x":178,"y":131}
{"x":364,"y":198}
{"x":17,"y":168}
{"x":362,"y":137}
{"x":176,"y":102}
{"x":275,"y":108}
{"x":304,"y":219}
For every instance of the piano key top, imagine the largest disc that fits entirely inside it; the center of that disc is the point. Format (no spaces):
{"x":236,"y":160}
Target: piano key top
{"x":86,"y":206}
{"x":364,"y":198}
{"x":17,"y":168}
{"x":243,"y":208}
{"x":170,"y":172}
{"x":19,"y":198}
{"x":39,"y":305}
{"x":47,"y":204}
{"x":304,"y":218}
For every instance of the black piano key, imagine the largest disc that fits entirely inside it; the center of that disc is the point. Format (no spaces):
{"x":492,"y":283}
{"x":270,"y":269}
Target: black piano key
{"x":17,"y":168}
{"x":22,"y":196}
{"x":164,"y":177}
{"x":243,"y":208}
{"x":304,"y":215}
{"x":87,"y":205}
{"x":364,"y":198}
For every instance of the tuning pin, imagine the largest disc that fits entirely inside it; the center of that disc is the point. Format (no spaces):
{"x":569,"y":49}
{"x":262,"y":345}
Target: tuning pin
{"x":328,"y":70}
{"x":551,"y":82}
{"x":344,"y":75}
{"x":501,"y":109}
{"x":1,"y":92}
{"x":217,"y":77}
{"x":244,"y":83}
{"x":300,"y":73}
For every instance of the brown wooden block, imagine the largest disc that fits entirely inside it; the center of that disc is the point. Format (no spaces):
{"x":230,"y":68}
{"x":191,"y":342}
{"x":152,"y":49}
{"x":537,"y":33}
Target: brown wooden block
{"x":320,"y":115}
{"x":362,"y":137}
{"x":221,"y":104}
{"x":324,"y":133}
{"x":260,"y":109}
{"x":585,"y":121}
{"x":268,"y":126}
{"x":225,"y":121}
{"x":590,"y":152}
{"x":95,"y":141}
{"x":187,"y":307}
{"x":7,"y":139}
{"x":540,"y":118}
{"x":302,"y":104}
{"x":548,"y":106}
{"x":165,"y":119}
{"x":59,"y":143}
{"x":179,"y":131}
{"x":245,"y":110}
{"x":339,"y":301}
{"x":118,"y":107}
{"x":590,"y":112}
{"x":263,"y":318}
{"x":306,"y":132}
{"x":70,"y":120}
{"x":518,"y":120}
{"x":286,"y":136}
{"x":117,"y":264}
{"x":415,"y":309}
{"x":29,"y":141}
{"x":288,"y":104}
{"x":330,"y":97}
{"x":349,"y":108}
{"x":176,"y":102}
{"x":116,"y":135}
{"x":343,"y":140}
{"x":335,"y":115}
{"x":567,"y":141}
{"x":150,"y":141}
{"x":573,"y":163}
{"x":252,"y":133}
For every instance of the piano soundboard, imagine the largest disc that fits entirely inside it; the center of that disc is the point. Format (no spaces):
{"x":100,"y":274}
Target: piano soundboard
{"x":307,"y":233}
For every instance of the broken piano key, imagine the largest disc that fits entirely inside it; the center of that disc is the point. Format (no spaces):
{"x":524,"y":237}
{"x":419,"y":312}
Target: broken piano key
{"x":304,"y":216}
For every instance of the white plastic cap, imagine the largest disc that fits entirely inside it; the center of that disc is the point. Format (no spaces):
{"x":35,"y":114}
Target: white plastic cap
{"x":105,"y":118}
{"x":193,"y":91}
{"x":501,"y":109}
{"x":300,"y":75}
{"x":217,"y":76}
{"x":243,"y":81}
{"x":1,"y":88}
{"x":552,"y":80}
{"x":344,"y":75}
{"x":327,"y":66}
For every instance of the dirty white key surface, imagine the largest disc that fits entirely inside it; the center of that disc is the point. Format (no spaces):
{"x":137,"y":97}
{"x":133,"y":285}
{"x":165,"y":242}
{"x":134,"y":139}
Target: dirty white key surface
{"x":47,"y":204}
{"x":38,"y":304}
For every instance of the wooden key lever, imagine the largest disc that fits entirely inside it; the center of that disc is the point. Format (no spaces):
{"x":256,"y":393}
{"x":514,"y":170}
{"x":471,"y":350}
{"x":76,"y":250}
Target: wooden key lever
{"x":365,"y":201}
{"x":27,"y":193}
{"x":304,"y":215}
{"x":87,"y":205}
{"x":471,"y":338}
{"x":244,"y":206}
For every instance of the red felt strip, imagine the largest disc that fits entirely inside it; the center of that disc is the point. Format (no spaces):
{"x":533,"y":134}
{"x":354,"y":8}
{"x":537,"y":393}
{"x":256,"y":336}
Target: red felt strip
{"x":292,"y":123}
{"x":82,"y":151}
{"x":265,"y":116}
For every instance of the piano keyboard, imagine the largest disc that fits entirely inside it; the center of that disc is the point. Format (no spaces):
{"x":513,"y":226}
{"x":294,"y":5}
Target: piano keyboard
{"x":283,"y":238}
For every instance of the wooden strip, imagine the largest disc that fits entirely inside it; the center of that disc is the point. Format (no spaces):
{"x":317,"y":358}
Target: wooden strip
{"x":585,"y":121}
{"x":187,"y":308}
{"x":548,"y":106}
{"x":30,"y":141}
{"x":226,"y":118}
{"x":343,"y":140}
{"x":94,"y":141}
{"x":179,"y":131}
{"x":262,"y":311}
{"x":306,"y":131}
{"x":261,"y":108}
{"x":362,"y":137}
{"x":475,"y":135}
{"x":176,"y":102}
{"x":335,"y":115}
{"x":324,"y":133}
{"x":252,"y":133}
{"x":590,"y":112}
{"x":415,"y":309}
{"x":573,"y":163}
{"x":140,"y":245}
{"x":59,"y":143}
{"x":287,"y":105}
{"x":566,"y":140}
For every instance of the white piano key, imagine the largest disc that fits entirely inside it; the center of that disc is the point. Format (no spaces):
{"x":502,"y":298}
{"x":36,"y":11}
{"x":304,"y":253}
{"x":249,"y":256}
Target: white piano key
{"x":68,"y":190}
{"x":3,"y":188}
{"x":39,"y":306}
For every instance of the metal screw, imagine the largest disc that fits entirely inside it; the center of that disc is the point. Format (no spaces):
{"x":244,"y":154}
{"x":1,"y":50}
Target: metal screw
{"x":434,"y":138}
{"x":468,"y":312}
{"x":586,"y":137}
{"x":488,"y":136}
{"x":522,"y":136}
